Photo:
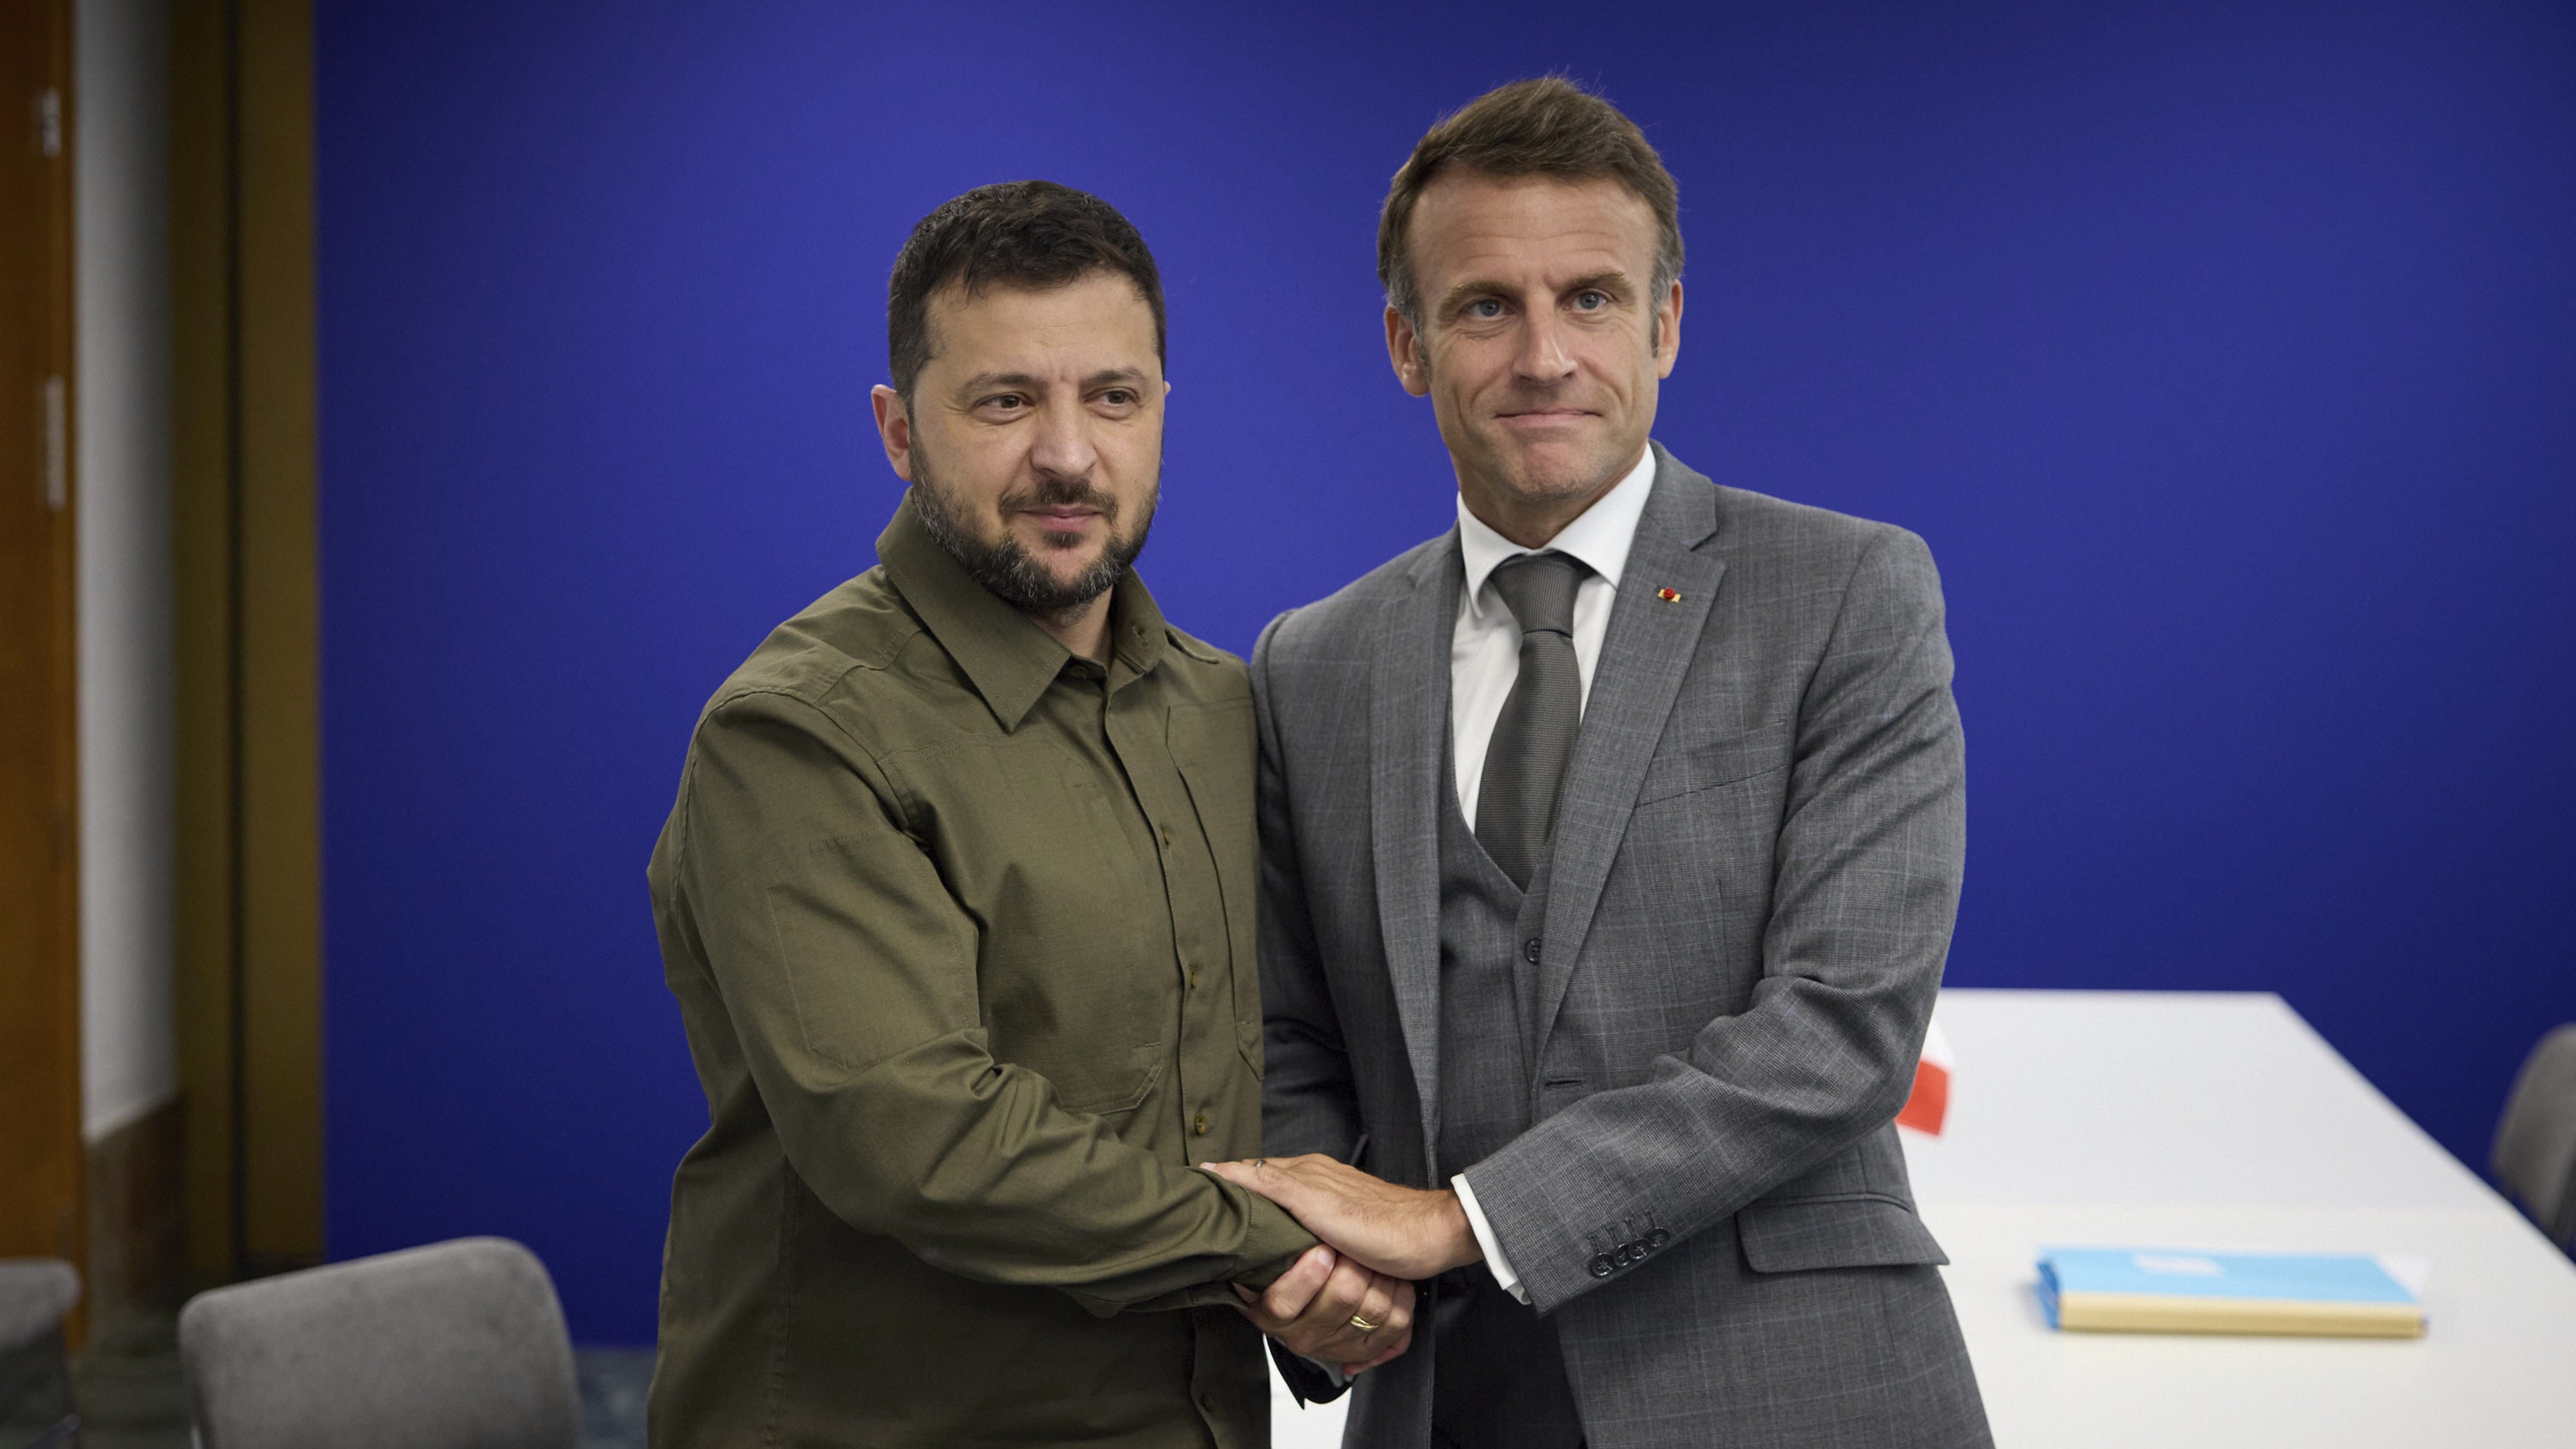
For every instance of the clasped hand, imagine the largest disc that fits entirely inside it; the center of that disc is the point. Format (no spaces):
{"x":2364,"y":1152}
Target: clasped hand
{"x":1330,"y":1309}
{"x":1378,"y":1236}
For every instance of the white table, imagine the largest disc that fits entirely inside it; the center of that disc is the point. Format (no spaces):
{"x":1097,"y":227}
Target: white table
{"x":2222,"y":1121}
{"x":2214,"y":1121}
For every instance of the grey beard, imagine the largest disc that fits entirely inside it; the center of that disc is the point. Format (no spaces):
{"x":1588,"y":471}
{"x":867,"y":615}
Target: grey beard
{"x":1008,"y":570}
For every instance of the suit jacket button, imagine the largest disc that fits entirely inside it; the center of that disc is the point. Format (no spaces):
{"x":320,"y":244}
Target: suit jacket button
{"x":1602,"y":1267}
{"x":1626,"y":1254}
{"x":1529,"y":949}
{"x":1657,"y":1239}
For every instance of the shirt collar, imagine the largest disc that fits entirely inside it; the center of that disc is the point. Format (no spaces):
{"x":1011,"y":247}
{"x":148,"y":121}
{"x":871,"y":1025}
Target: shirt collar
{"x":1600,"y":536}
{"x":1005,"y":655}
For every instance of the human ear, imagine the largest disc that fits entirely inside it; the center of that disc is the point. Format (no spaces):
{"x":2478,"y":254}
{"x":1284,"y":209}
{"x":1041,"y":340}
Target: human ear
{"x":1404,"y":350}
{"x":1668,"y":330}
{"x":894,"y":428}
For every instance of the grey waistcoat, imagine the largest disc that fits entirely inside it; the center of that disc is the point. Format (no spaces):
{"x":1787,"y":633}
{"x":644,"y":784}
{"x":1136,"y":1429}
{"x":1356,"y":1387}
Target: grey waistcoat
{"x":1499,"y":1377}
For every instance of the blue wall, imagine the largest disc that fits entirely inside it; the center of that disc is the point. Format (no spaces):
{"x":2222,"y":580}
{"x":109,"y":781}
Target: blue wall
{"x":2225,"y":354}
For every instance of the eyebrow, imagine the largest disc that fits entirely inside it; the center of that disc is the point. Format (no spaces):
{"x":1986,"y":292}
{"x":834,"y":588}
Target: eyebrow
{"x":1031,"y":382}
{"x":1613,"y":280}
{"x":983,"y":381}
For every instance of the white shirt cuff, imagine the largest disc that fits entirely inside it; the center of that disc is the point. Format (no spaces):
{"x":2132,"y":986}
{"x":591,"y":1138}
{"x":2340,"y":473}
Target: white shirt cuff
{"x":1509,"y":1281}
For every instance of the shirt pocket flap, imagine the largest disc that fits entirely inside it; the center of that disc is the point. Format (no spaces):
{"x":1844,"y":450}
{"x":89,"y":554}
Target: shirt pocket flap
{"x":1248,"y":1036}
{"x":1852,"y":1232}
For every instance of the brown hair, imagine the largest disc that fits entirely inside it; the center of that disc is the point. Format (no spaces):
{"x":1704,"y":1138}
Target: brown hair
{"x":1543,"y":127}
{"x":1033,"y":234}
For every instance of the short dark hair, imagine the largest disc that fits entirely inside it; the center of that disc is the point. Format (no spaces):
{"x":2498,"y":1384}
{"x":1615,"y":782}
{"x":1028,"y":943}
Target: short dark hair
{"x":1033,"y":234}
{"x":1543,"y":127}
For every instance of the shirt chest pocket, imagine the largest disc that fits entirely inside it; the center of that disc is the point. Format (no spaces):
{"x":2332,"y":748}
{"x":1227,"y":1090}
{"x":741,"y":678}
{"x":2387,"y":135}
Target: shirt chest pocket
{"x":1092,"y":1014}
{"x":1113,"y":1082}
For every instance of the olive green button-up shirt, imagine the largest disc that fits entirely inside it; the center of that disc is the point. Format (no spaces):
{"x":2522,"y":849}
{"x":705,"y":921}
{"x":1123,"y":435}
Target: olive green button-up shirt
{"x":961,"y":928}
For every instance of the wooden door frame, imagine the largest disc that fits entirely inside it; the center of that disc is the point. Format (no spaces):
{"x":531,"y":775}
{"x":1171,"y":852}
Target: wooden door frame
{"x":247,"y":635}
{"x":49,"y":1053}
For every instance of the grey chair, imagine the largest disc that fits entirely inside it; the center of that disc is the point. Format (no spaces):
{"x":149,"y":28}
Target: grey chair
{"x":2535,"y":1145}
{"x":460,"y":1345}
{"x":36,"y":1295}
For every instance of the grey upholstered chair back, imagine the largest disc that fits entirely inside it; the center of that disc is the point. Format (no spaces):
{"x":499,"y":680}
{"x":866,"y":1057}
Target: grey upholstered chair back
{"x":36,"y":1294}
{"x":2535,"y":1146}
{"x":459,"y":1345}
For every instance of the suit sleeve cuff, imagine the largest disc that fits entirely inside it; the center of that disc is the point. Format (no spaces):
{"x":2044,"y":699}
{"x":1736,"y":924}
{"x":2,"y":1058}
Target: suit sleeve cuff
{"x":1504,"y":1277}
{"x":1308,"y":1381}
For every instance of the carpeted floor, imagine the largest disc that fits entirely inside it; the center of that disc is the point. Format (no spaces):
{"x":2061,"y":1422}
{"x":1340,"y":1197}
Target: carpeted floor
{"x":613,"y":1381}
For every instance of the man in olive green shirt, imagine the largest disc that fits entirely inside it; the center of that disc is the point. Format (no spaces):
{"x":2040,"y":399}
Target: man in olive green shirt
{"x":957,"y":900}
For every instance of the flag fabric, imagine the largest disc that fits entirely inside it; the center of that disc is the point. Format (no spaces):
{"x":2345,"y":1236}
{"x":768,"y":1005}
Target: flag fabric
{"x":1931,"y":1099}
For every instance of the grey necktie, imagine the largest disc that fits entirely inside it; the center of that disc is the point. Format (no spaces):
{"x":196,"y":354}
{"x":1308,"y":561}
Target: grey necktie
{"x":1516,"y":800}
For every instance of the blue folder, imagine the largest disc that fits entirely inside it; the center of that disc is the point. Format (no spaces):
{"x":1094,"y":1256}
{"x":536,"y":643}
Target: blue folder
{"x":2182,"y":1291}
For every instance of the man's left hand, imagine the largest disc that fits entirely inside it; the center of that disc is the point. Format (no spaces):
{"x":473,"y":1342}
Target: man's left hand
{"x":1330,"y":1309}
{"x":1403,"y":1232}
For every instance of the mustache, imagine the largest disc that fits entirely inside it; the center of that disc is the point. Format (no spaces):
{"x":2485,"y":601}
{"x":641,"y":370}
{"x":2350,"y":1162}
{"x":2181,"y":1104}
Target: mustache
{"x":1056,"y":492}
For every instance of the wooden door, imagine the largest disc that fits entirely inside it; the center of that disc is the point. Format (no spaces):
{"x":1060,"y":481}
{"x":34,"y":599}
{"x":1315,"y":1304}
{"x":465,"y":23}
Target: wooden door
{"x":40,"y":1124}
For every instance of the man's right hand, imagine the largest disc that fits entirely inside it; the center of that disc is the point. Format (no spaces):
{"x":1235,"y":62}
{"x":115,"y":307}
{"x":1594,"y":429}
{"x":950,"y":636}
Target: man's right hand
{"x":1318,"y":1306}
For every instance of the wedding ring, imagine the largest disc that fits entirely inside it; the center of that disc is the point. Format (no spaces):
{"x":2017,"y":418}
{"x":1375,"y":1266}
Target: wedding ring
{"x":1363,"y":1325}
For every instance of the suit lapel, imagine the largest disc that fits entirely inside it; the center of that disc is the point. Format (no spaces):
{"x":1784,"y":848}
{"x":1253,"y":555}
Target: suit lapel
{"x":1649,"y":647}
{"x":1408,"y":724}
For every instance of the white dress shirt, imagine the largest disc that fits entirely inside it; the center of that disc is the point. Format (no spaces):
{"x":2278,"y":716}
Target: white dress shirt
{"x":1485,"y":661}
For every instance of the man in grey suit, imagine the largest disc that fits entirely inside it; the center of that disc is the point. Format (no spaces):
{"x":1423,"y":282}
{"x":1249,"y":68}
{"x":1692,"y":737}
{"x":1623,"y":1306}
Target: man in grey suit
{"x":1611,"y":845}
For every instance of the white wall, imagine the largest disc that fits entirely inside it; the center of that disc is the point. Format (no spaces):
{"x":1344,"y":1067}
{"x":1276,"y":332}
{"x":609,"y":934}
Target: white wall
{"x":121,"y":65}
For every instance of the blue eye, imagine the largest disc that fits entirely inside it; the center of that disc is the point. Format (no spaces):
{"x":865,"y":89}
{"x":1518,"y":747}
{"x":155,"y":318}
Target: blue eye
{"x":1485,"y":307}
{"x":1591,"y":301}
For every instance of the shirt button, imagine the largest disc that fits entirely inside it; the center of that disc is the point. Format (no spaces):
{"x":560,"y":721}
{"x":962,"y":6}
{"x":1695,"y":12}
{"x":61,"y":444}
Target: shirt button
{"x":1194,"y":978}
{"x":1529,"y":949}
{"x":1199,"y":1124}
{"x":1167,"y":833}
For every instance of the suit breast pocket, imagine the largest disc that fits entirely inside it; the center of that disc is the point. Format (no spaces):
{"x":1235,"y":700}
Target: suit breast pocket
{"x":1712,"y":764}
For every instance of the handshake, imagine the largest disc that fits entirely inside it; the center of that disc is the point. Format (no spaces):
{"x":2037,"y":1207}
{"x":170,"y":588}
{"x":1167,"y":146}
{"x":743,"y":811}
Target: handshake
{"x":1349,"y":1300}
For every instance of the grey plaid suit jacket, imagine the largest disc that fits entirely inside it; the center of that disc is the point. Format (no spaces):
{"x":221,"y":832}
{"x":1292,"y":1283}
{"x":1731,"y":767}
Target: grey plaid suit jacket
{"x":1757,"y":863}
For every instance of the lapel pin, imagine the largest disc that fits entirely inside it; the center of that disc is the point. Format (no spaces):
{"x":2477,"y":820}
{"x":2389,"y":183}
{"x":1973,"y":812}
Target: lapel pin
{"x":1669,"y":596}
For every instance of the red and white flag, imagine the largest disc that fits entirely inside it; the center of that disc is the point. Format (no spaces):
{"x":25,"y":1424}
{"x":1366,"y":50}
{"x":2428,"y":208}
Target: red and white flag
{"x":1931,"y":1100}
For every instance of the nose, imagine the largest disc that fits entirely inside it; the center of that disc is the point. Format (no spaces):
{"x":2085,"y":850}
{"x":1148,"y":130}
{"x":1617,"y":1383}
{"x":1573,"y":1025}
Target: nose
{"x":1544,"y":356}
{"x":1062,"y":446}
